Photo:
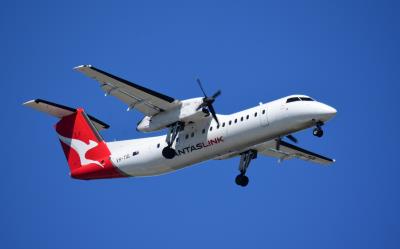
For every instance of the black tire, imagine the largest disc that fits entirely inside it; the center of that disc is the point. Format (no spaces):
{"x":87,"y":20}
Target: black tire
{"x":318,"y":132}
{"x":168,"y":153}
{"x":242,"y":180}
{"x":245,"y":181}
{"x":238,"y":180}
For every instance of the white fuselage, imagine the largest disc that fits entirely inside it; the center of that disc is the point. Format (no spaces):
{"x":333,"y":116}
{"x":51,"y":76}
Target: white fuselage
{"x":203,"y":140}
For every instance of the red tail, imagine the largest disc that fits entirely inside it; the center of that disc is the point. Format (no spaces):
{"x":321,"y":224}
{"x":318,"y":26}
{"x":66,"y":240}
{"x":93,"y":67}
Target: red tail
{"x":87,"y":154}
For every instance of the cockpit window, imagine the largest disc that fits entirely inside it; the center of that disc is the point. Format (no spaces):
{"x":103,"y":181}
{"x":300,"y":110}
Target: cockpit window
{"x":293,"y":99}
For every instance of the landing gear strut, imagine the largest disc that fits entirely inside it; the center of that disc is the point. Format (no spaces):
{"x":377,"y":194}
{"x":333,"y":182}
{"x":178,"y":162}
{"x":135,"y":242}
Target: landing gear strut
{"x":174,"y":129}
{"x":245,"y":158}
{"x":318,"y":132}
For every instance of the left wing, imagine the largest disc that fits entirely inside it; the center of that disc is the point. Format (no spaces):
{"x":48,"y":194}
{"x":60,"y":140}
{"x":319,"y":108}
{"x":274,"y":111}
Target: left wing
{"x":145,"y":100}
{"x":289,"y":151}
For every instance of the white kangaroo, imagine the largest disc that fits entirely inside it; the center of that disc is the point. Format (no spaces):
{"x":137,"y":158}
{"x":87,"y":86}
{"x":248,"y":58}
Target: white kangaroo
{"x":81,"y":148}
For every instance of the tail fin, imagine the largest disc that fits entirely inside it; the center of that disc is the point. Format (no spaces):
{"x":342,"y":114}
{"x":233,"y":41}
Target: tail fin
{"x":85,"y":150}
{"x":87,"y":154}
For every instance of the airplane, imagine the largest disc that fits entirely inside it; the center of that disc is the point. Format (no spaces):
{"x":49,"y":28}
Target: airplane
{"x":195,"y":132}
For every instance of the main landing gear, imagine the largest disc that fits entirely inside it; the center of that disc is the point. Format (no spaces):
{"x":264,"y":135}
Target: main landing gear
{"x":245,"y":159}
{"x":174,"y":129}
{"x":318,"y":132}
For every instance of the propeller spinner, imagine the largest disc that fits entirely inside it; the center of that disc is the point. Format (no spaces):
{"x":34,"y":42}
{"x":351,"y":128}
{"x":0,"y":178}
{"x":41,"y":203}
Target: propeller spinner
{"x":208,"y":101}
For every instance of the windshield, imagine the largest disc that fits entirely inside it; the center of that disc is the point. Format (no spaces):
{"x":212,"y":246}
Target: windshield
{"x":293,"y":99}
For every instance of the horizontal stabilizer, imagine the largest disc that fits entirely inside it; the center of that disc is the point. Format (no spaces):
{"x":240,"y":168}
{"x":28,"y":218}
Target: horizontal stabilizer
{"x":61,"y":111}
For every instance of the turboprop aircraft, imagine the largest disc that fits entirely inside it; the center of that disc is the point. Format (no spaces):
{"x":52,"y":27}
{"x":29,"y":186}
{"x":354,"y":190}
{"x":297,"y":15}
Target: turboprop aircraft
{"x":196,"y":132}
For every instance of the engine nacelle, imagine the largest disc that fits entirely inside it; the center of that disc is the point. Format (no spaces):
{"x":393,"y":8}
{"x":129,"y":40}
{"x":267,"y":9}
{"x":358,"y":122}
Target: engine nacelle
{"x":186,"y":112}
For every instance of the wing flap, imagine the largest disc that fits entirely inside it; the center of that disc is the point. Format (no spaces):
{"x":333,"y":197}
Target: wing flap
{"x":135,"y":96}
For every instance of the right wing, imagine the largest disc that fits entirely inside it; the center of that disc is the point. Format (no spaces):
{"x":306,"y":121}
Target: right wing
{"x":289,"y":151}
{"x":145,"y":100}
{"x":286,"y":151}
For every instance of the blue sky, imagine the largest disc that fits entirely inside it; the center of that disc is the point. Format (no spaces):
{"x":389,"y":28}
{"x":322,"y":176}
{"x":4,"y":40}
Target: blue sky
{"x":344,"y":53}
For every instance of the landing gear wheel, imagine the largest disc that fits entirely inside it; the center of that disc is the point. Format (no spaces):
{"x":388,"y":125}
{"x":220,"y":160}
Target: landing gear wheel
{"x":245,"y":158}
{"x":173,"y":131}
{"x":242,"y":180}
{"x":318,"y":132}
{"x":168,"y":152}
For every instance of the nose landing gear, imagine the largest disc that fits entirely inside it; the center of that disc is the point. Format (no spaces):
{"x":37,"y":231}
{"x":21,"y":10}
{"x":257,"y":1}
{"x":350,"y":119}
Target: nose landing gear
{"x":174,"y":129}
{"x":318,"y":132}
{"x":245,"y":159}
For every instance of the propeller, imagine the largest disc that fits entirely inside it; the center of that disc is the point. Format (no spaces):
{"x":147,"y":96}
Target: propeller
{"x":208,"y":101}
{"x":290,"y":137}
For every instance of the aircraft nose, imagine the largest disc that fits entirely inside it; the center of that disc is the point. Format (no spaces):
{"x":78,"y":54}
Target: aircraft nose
{"x":329,"y":110}
{"x":326,"y":112}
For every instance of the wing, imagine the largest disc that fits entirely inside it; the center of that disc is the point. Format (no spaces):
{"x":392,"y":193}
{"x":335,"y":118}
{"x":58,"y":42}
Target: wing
{"x":147,"y":101}
{"x":289,"y":151}
{"x":286,"y":151}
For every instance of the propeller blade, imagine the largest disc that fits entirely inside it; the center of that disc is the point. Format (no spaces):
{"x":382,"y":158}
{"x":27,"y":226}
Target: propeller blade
{"x":216,"y":94}
{"x":202,"y":105}
{"x":292,"y":138}
{"x":201,"y":87}
{"x":211,"y":109}
{"x":208,"y":101}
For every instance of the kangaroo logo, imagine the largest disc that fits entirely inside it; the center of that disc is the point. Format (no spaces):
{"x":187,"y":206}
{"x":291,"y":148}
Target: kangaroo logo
{"x":81,"y":148}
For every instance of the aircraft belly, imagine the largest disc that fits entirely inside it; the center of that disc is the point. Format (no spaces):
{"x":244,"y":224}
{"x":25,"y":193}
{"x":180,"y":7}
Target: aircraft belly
{"x":150,"y":162}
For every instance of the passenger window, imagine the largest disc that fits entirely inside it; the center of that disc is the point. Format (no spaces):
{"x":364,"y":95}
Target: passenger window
{"x":217,"y":126}
{"x":223,"y":124}
{"x":235,"y":120}
{"x":255,"y":114}
{"x":247,"y":117}
{"x":263,"y":112}
{"x":210,"y":128}
{"x":241,"y":119}
{"x":158,"y":145}
{"x":203,"y":131}
{"x":293,"y":99}
{"x":192,"y":135}
{"x":187,"y":136}
{"x":230,"y":122}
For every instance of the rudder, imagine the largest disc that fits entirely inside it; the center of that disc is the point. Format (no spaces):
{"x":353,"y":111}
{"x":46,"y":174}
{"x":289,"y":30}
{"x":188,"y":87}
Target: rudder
{"x":85,"y":150}
{"x":81,"y":142}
